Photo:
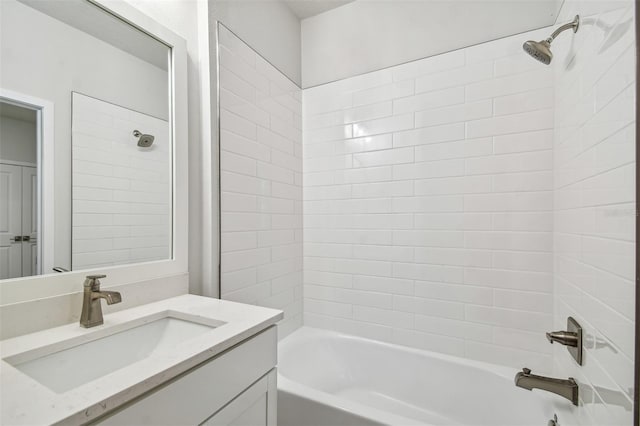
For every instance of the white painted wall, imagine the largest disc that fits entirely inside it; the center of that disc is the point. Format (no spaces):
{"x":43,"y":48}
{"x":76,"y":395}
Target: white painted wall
{"x":48,"y":59}
{"x":269,"y":27}
{"x":594,"y":205}
{"x":261,"y":182}
{"x":365,"y":36}
{"x":18,"y":140}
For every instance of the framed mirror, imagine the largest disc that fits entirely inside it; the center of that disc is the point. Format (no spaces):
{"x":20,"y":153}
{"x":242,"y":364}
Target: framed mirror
{"x":92,"y":146}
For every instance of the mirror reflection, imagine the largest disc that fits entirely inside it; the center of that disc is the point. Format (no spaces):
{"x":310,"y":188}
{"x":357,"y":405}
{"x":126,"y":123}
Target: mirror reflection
{"x":93,"y":189}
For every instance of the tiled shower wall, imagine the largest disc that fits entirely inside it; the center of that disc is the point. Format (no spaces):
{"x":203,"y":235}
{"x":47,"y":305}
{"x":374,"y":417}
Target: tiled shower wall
{"x":261,"y":182}
{"x":594,"y":234}
{"x":428,"y":204}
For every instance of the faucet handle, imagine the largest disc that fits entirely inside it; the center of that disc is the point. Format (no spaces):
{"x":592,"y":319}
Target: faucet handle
{"x":526,"y":371}
{"x":96,"y":277}
{"x":566,"y":338}
{"x":93,"y":282}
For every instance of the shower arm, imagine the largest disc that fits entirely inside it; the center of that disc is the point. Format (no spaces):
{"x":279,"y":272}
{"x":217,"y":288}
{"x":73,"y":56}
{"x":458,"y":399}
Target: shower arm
{"x":571,"y":25}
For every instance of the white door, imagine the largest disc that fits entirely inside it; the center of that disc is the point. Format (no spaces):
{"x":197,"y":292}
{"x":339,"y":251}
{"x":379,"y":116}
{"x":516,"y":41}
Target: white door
{"x":10,"y":221}
{"x":29,"y":221}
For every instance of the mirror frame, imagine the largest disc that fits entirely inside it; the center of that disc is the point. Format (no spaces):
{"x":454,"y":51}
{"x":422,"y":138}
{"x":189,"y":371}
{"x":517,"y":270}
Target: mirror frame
{"x":26,"y":289}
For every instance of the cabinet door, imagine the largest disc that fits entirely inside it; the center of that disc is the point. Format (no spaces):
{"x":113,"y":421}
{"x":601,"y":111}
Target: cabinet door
{"x":205,"y":390}
{"x":254,"y":407}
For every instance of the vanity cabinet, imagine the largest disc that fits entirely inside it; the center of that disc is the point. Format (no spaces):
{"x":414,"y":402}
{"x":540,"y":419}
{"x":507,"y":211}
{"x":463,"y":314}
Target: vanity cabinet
{"x":237,"y":387}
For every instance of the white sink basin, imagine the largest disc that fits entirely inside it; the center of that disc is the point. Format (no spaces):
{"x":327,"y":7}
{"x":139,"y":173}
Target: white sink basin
{"x":74,"y":366}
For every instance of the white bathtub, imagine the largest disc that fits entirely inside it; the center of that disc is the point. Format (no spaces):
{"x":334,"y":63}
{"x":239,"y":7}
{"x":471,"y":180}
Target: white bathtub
{"x":332,"y":379}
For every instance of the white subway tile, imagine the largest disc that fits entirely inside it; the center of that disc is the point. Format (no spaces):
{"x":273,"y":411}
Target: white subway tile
{"x":429,"y":169}
{"x":516,"y":280}
{"x":395,"y":123}
{"x":384,"y":253}
{"x":453,"y":292}
{"x":237,"y":163}
{"x":436,"y":308}
{"x":519,"y":319}
{"x":242,"y":69}
{"x":384,"y":157}
{"x":522,"y":142}
{"x":238,"y":125}
{"x":425,"y":272}
{"x":430,"y":342}
{"x":514,"y":123}
{"x":459,"y":221}
{"x":454,"y":114}
{"x":384,"y":93}
{"x":383,"y":284}
{"x":453,"y":185}
{"x":428,"y":101}
{"x":323,"y":307}
{"x":455,"y":77}
{"x":526,"y":301}
{"x":533,"y":80}
{"x":523,"y":102}
{"x":234,"y":84}
{"x":233,"y":261}
{"x":428,"y":204}
{"x":384,"y":189}
{"x":242,"y":146}
{"x":427,"y":135}
{"x":273,"y":140}
{"x":368,"y":112}
{"x":368,"y":143}
{"x":261,"y":163}
{"x":363,"y":267}
{"x":458,"y":149}
{"x":509,"y":202}
{"x":383,"y":316}
{"x":510,"y":163}
{"x":328,"y":134}
{"x":453,"y":257}
{"x":454,"y":328}
{"x":232,"y":241}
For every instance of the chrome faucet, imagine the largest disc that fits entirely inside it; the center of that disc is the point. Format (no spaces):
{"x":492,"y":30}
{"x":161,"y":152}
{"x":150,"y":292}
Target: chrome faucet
{"x":91,"y":307}
{"x":565,"y":388}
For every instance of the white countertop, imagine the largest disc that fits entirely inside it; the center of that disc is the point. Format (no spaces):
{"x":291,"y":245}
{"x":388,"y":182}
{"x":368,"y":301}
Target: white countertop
{"x":24,"y":401}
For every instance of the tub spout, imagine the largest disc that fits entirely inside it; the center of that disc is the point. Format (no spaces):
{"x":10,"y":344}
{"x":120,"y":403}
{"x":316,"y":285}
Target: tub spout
{"x":566,"y":388}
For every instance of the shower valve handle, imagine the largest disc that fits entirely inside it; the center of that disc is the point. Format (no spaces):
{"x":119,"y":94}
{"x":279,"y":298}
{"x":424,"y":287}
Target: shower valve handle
{"x":566,"y":338}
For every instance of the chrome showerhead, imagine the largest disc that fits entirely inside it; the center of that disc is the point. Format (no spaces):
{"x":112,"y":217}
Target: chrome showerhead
{"x":541,"y":50}
{"x":144,"y":140}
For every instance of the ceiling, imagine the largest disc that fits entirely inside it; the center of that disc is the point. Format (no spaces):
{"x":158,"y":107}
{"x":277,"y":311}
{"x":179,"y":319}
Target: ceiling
{"x":368,"y":35}
{"x":307,"y":8}
{"x":92,"y":20}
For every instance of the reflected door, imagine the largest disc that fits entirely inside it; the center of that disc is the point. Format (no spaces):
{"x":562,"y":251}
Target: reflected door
{"x":29,"y":221}
{"x":10,"y":221}
{"x":18,"y":221}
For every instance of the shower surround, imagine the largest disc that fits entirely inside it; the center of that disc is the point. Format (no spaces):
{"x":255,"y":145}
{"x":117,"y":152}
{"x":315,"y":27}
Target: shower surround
{"x":428,"y":204}
{"x":466,"y":203}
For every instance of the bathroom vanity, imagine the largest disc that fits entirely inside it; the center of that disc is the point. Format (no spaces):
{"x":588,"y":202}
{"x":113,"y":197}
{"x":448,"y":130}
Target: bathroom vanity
{"x":184,"y":360}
